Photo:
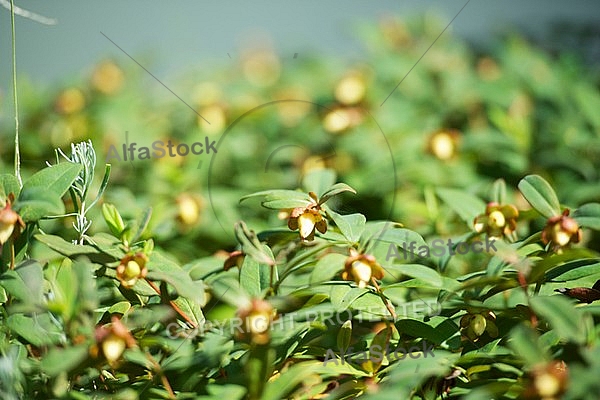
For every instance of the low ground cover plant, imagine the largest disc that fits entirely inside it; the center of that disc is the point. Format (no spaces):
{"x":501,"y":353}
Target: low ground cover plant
{"x":250,"y":276}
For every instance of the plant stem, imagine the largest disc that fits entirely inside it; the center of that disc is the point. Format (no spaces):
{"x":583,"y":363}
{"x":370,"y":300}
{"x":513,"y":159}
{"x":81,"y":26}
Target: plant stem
{"x":14,"y":59}
{"x":173,"y":305}
{"x":385,"y":300}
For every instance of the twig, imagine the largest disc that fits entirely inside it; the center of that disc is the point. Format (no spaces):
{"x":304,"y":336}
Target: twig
{"x":385,"y":300}
{"x":14,"y":76}
{"x":163,"y":378}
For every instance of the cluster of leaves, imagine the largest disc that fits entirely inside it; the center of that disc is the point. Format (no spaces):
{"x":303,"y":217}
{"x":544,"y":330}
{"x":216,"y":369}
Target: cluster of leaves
{"x":116,"y":317}
{"x":513,"y":112}
{"x":143,"y":305}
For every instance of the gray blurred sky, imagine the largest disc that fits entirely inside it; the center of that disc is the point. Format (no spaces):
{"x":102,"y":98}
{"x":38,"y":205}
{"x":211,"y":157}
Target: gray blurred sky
{"x":185,"y":33}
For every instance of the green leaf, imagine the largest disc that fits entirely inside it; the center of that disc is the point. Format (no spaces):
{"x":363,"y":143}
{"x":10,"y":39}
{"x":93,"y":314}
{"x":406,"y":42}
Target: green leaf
{"x":71,"y":250}
{"x":540,"y":195}
{"x":588,"y":215}
{"x":55,"y":180}
{"x":335,"y":190}
{"x":279,"y":199}
{"x":382,"y":340}
{"x":464,"y":204}
{"x":420,"y":272}
{"x":399,"y":237}
{"x":342,"y":296}
{"x":351,"y":226}
{"x":545,"y":264}
{"x":254,"y":277}
{"x":560,"y":313}
{"x":9,"y":184}
{"x":251,"y":245}
{"x":163,"y":269}
{"x":525,"y":343}
{"x":191,"y":309}
{"x":257,"y":370}
{"x":25,"y":282}
{"x":282,"y":204}
{"x":282,"y":387}
{"x":35,"y":204}
{"x":122,"y":307}
{"x":103,"y":185}
{"x":319,"y":181}
{"x":113,"y":219}
{"x":344,"y":336}
{"x":141,"y":224}
{"x":499,"y":191}
{"x":573,"y":270}
{"x":37,"y":330}
{"x":327,"y":267}
{"x":588,"y":102}
{"x":65,"y":290}
{"x":64,"y":359}
{"x":227,"y":391}
{"x":408,"y":374}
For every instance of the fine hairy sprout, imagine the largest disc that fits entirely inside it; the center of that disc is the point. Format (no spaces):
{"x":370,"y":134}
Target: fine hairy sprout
{"x":83,"y":153}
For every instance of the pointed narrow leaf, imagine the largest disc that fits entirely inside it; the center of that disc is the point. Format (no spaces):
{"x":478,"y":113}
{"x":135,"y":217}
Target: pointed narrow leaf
{"x":335,"y":190}
{"x":251,"y":245}
{"x":254,"y":277}
{"x":271,"y":195}
{"x":344,"y":336}
{"x":499,"y":191}
{"x":351,"y":226}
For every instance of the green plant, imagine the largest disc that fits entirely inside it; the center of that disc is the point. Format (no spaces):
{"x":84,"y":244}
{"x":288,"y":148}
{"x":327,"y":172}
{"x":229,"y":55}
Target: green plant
{"x":189,"y":289}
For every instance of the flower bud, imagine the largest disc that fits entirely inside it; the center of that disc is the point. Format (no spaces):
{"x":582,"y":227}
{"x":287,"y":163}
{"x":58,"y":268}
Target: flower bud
{"x":561,"y":230}
{"x":257,"y":318}
{"x":361,"y":268}
{"x":9,"y":219}
{"x":132,"y":268}
{"x":111,"y":341}
{"x":442,"y":144}
{"x":350,"y":90}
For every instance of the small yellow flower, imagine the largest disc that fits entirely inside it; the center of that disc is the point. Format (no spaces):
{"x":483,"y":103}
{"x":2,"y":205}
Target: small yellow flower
{"x":132,"y":268}
{"x":561,"y":230}
{"x":256,"y":322}
{"x":307,"y":220}
{"x":351,"y":89}
{"x":547,"y":382}
{"x":497,"y":221}
{"x":340,"y":119}
{"x":189,"y":209}
{"x":111,"y":341}
{"x":70,"y":101}
{"x":9,"y":219}
{"x":361,"y":268}
{"x":107,"y":78}
{"x":443,"y":143}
